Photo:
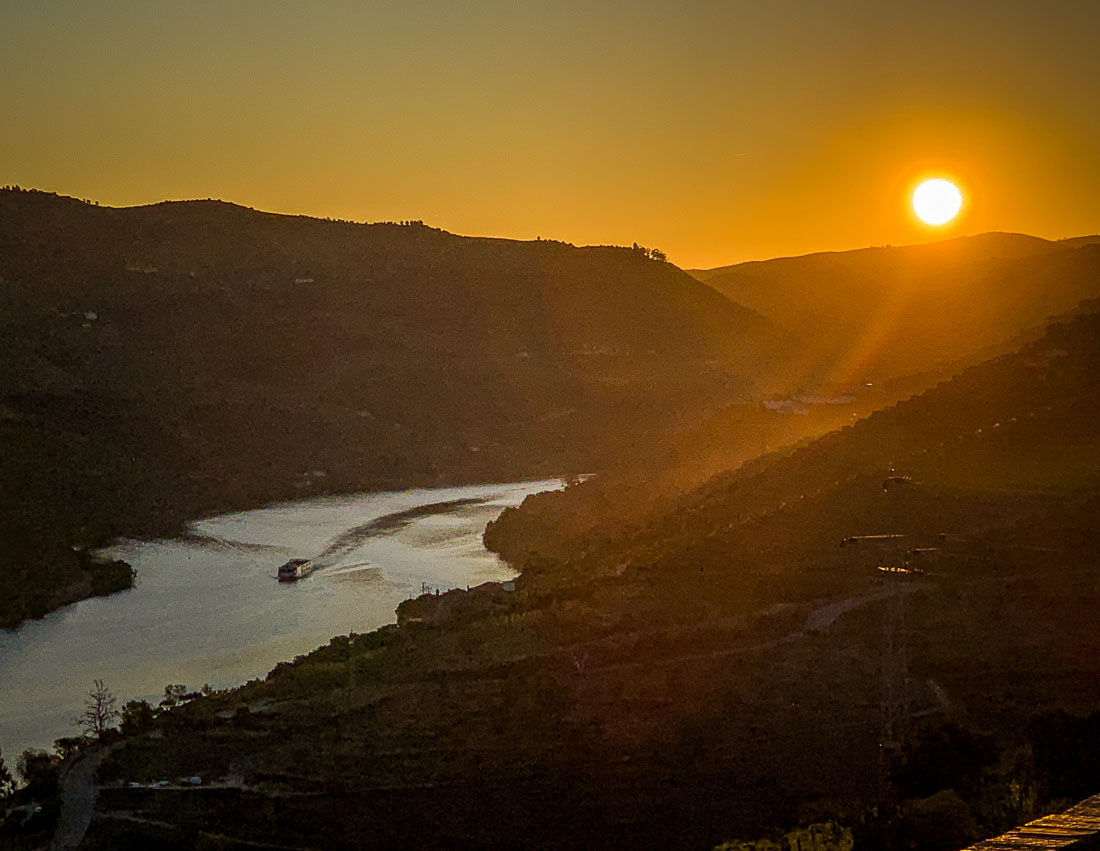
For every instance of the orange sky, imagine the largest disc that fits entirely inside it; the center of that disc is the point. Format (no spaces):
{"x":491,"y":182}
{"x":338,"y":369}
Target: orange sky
{"x":716,"y":131}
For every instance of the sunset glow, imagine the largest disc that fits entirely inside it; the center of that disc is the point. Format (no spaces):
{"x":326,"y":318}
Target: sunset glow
{"x":937,"y":201}
{"x":709,"y":130}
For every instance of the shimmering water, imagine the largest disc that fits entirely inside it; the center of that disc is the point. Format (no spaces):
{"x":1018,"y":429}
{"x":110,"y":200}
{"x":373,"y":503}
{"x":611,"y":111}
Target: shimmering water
{"x":207,"y":608}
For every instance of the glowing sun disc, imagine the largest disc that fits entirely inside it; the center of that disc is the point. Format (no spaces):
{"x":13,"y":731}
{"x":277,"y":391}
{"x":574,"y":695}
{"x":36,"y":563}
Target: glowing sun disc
{"x":937,"y":201}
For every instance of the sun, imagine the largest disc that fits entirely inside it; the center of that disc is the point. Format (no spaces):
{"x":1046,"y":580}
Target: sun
{"x":937,"y":201}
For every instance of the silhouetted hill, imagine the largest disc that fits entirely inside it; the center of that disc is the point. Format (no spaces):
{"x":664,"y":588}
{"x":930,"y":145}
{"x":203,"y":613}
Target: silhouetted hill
{"x":878,"y":313}
{"x":948,"y":252}
{"x":161,"y":361}
{"x":1078,"y":241}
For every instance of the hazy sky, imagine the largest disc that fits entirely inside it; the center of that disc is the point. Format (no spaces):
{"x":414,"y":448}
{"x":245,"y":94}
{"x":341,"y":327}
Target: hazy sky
{"x":716,"y":131}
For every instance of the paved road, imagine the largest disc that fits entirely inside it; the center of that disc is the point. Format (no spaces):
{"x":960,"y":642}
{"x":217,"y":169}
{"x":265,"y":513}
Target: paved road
{"x":823,"y":617}
{"x":77,"y":791}
{"x":818,"y":620}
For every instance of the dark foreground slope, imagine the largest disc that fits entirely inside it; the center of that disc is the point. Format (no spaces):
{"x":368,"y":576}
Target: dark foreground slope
{"x":878,"y":313}
{"x":162,"y":361}
{"x":713,"y":673}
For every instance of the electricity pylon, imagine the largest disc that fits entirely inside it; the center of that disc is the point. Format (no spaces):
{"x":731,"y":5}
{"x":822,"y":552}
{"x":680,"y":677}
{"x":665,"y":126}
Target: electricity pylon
{"x":896,"y":575}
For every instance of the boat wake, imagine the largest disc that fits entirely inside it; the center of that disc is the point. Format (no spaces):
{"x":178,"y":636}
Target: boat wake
{"x":204,"y":540}
{"x":347,"y":542}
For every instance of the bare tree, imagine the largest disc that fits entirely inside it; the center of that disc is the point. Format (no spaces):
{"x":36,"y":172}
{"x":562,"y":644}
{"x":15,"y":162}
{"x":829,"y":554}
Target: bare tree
{"x":100,"y":712}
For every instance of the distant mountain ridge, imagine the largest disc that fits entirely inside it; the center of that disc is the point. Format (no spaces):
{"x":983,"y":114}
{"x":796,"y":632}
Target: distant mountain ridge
{"x":877,"y":313}
{"x":984,"y":246}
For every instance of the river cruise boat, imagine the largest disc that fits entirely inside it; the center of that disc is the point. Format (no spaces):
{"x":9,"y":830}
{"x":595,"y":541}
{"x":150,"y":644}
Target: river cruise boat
{"x":295,"y":569}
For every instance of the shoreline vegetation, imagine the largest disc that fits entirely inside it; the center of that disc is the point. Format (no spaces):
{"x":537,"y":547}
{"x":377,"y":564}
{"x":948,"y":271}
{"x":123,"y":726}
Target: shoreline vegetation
{"x":86,"y":576}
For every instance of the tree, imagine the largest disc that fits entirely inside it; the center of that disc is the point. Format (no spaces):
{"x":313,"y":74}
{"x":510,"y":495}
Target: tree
{"x":940,"y":822}
{"x":100,"y":712}
{"x":825,"y":836}
{"x":39,"y":771}
{"x":173,"y":694}
{"x":137,"y":715}
{"x":66,"y":746}
{"x":944,"y":756}
{"x":7,"y":782}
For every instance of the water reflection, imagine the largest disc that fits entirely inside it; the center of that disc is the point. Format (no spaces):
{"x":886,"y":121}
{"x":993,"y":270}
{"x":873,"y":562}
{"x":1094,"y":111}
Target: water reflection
{"x":207,"y":608}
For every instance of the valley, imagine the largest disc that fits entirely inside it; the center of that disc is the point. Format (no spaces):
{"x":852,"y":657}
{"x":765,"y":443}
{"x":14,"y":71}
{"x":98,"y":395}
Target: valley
{"x":692,"y":652}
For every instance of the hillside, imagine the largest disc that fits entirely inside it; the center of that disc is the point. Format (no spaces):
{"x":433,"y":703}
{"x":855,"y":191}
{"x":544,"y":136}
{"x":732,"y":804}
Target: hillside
{"x":879,"y":313}
{"x":557,"y":525}
{"x":713,"y":672}
{"x":159,"y":362}
{"x":1022,"y":424}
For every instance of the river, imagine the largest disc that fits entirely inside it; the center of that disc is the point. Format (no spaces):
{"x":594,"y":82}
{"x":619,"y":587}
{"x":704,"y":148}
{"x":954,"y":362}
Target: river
{"x":207,"y":608}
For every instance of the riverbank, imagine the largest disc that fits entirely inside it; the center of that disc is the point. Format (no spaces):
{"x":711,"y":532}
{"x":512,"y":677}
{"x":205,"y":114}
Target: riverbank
{"x":574,"y":717}
{"x":207,"y":608}
{"x":89,"y":577}
{"x":44,"y":570}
